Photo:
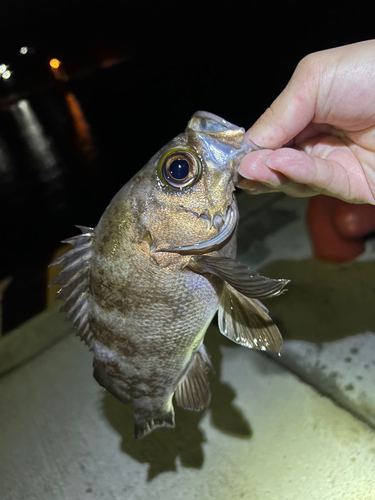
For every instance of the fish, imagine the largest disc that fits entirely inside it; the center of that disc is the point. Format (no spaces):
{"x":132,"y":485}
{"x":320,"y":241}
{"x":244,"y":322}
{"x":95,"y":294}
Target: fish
{"x":142,"y":287}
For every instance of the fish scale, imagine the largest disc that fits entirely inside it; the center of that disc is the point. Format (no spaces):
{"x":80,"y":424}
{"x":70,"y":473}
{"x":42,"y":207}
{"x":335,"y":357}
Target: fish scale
{"x":143,"y":286}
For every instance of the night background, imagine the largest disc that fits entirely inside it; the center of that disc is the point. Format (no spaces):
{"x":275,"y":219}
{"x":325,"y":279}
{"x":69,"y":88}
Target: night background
{"x":132,"y":74}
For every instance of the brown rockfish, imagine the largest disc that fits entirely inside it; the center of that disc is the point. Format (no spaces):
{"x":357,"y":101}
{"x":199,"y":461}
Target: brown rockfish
{"x":143,"y":286}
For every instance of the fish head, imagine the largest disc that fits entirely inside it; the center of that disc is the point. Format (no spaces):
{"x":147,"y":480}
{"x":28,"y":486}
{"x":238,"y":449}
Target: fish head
{"x":190,"y":202}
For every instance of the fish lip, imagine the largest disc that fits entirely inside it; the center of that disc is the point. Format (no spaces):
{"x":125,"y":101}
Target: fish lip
{"x":215,"y":243}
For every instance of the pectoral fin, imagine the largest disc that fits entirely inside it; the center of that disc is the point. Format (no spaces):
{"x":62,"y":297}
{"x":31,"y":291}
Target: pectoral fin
{"x":239,"y":276}
{"x":246,"y":322}
{"x":193,"y":391}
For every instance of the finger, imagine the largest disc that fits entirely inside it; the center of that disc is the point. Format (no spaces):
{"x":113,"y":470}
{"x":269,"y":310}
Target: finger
{"x":287,"y":187}
{"x":291,"y":111}
{"x":254,"y":187}
{"x":312,"y":130}
{"x":336,"y":172}
{"x":257,"y":177}
{"x":332,"y":86}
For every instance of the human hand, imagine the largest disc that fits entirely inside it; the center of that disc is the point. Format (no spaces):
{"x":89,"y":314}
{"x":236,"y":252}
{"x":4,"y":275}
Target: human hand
{"x":326,"y":119}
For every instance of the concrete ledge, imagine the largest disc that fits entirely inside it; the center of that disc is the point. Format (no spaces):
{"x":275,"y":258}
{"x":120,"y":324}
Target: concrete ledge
{"x":327,"y":316}
{"x":32,"y":338}
{"x":343,"y":370}
{"x":267,"y":436}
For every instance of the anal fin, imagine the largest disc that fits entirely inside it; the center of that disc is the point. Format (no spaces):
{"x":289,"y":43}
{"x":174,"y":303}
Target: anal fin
{"x":193,"y":391}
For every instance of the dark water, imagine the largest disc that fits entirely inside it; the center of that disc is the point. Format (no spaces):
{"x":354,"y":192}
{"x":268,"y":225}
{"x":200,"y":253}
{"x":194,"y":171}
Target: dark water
{"x":134,"y":79}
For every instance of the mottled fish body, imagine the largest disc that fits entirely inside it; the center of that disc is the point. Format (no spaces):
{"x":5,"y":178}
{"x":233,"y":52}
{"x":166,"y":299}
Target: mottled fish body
{"x":143,"y":286}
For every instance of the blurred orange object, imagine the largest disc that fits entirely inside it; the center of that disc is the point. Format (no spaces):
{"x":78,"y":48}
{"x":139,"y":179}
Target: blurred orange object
{"x":338,"y":229}
{"x":54,"y":63}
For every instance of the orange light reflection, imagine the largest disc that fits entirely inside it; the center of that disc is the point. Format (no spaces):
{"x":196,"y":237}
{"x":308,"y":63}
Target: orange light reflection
{"x":54,"y":63}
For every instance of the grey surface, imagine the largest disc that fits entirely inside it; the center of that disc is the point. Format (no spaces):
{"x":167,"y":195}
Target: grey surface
{"x":32,"y":338}
{"x":266,"y":436}
{"x":344,"y":370}
{"x":327,"y":317}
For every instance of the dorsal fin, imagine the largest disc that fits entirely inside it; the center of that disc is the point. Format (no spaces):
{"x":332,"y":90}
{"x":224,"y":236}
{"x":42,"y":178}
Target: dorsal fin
{"x":74,"y":281}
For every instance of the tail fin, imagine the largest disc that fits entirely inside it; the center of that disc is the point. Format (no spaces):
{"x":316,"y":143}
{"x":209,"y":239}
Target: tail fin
{"x":143,"y":426}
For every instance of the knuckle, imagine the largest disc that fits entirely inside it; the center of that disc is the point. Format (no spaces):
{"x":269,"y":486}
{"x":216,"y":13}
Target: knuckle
{"x":309,"y":69}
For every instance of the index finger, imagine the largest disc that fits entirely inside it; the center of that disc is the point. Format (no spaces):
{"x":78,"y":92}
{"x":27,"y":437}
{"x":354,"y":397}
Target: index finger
{"x":291,"y":111}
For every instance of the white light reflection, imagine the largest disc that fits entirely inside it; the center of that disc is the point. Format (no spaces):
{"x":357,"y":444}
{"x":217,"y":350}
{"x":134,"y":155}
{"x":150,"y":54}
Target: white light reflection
{"x":38,"y":144}
{"x":24,"y":50}
{"x":3,"y":68}
{"x":6,"y":75}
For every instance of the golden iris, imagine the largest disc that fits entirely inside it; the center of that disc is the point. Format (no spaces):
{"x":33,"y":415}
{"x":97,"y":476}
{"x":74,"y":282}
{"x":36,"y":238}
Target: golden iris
{"x":179,"y":168}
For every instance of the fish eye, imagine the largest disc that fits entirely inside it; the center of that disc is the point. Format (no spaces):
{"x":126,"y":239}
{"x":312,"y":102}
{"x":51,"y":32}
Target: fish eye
{"x":179,"y":168}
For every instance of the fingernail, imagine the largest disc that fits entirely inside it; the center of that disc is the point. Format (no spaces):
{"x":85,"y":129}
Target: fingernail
{"x":260,"y":136}
{"x":252,"y":144}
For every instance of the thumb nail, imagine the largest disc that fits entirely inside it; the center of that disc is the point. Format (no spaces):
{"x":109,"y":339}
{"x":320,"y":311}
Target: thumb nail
{"x":252,"y":144}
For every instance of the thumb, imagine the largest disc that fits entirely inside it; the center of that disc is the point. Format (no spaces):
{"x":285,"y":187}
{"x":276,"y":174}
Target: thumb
{"x":291,"y":111}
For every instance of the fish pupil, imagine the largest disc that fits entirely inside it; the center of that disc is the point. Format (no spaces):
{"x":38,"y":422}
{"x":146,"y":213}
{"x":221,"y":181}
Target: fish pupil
{"x":179,"y":169}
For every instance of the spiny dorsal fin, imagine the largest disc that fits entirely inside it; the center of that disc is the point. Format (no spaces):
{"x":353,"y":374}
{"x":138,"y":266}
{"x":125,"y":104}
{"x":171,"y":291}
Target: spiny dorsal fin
{"x":247,"y":322}
{"x":193,"y":391}
{"x":74,"y":281}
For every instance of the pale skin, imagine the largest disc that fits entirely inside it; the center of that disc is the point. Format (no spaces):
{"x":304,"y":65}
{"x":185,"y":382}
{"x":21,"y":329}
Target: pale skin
{"x":319,"y":133}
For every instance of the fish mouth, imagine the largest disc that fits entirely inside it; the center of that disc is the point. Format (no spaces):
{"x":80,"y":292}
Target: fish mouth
{"x":215,"y":243}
